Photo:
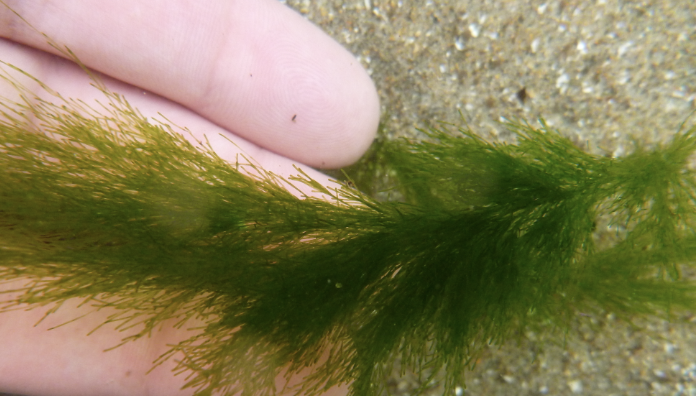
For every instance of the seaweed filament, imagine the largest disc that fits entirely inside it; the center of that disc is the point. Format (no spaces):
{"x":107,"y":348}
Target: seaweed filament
{"x":492,"y":239}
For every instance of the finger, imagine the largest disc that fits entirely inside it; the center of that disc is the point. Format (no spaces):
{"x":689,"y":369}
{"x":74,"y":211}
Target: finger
{"x":253,"y":67}
{"x":60,"y":357}
{"x":72,"y":82}
{"x":38,"y":359}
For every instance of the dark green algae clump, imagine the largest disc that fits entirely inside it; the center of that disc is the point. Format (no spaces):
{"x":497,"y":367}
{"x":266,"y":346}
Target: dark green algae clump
{"x":490,"y":240}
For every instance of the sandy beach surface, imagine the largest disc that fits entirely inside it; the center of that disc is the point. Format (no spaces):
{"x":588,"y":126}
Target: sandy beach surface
{"x":602,"y":72}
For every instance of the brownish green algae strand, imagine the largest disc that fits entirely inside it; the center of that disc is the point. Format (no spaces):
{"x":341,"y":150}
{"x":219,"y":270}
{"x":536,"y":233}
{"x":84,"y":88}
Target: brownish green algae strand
{"x":490,"y":240}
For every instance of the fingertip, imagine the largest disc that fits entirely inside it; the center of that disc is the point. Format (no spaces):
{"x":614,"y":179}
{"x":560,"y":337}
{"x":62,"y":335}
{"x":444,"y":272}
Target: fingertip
{"x":303,"y":94}
{"x":334,"y":124}
{"x":353,"y":121}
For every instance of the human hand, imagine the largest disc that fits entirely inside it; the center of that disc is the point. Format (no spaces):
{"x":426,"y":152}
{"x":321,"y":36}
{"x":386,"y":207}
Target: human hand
{"x":252,"y":68}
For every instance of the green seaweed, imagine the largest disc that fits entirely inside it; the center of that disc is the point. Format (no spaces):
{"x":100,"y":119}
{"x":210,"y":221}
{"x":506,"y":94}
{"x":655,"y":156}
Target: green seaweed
{"x":488,"y":240}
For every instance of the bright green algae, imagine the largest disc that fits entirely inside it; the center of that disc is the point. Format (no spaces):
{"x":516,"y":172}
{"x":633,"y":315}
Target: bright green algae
{"x":491,"y":239}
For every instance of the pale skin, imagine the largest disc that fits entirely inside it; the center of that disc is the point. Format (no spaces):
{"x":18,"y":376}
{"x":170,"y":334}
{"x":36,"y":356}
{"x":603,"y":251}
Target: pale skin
{"x":253,"y":70}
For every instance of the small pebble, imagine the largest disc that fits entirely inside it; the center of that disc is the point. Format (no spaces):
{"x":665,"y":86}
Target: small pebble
{"x":575,"y":386}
